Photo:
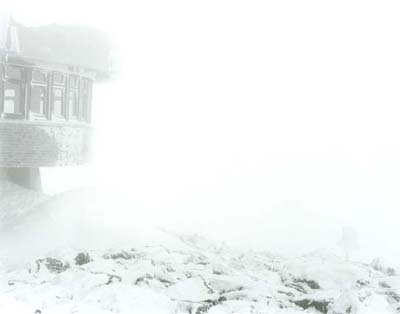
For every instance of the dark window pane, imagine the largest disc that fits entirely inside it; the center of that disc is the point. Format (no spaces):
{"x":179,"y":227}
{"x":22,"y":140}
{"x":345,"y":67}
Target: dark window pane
{"x":58,"y":101}
{"x":13,"y":98}
{"x":38,"y":99}
{"x":15,"y":73}
{"x":39,"y":76}
{"x":58,"y":78}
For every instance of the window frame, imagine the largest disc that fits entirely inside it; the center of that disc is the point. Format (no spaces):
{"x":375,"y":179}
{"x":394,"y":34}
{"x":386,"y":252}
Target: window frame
{"x":46,"y":85}
{"x":2,"y":75}
{"x":74,"y":89}
{"x":63,"y":87}
{"x":85,"y":108}
{"x":22,"y":85}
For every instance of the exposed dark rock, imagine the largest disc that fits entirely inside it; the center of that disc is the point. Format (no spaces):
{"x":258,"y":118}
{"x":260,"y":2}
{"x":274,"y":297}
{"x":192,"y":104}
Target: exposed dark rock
{"x":208,"y":304}
{"x":393,"y":296}
{"x":384,"y":285}
{"x":289,"y":294}
{"x":52,"y":264}
{"x":319,"y":305}
{"x":82,"y":259}
{"x":121,"y":254}
{"x":144,"y":279}
{"x":297,"y":287}
{"x":310,"y":283}
{"x":113,"y":278}
{"x":378,"y":266}
{"x":362,"y":283}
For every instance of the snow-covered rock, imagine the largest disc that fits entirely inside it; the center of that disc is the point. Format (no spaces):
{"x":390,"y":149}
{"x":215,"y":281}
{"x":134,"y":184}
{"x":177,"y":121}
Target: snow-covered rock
{"x":54,"y":259}
{"x":163,"y":279}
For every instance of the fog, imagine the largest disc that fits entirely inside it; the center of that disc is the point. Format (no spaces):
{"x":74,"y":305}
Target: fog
{"x":266,"y":124}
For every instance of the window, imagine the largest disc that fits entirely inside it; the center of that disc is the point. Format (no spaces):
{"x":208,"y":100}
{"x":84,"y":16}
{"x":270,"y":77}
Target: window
{"x":12,"y":98}
{"x":1,"y":87}
{"x":58,"y":95}
{"x":14,"y":92}
{"x":58,"y":102}
{"x":73,"y":97}
{"x":38,"y":96}
{"x":86,"y":94}
{"x":38,"y":100}
{"x":39,"y":76}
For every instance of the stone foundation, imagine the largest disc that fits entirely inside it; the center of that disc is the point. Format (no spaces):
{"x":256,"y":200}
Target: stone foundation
{"x":32,"y":144}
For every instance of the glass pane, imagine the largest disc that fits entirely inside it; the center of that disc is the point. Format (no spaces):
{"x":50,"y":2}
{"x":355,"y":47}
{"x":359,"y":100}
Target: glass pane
{"x":58,"y":107}
{"x":38,"y":99}
{"x":73,"y":81}
{"x":12,"y":98}
{"x":39,"y":76}
{"x":9,"y":105}
{"x":73,"y":103}
{"x":85,"y":98}
{"x":9,"y":91}
{"x":58,"y":93}
{"x":58,"y":102}
{"x":58,"y":78}
{"x":14,"y":72}
{"x":86,"y":89}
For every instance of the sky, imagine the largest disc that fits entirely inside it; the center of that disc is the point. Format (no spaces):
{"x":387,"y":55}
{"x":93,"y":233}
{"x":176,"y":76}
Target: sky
{"x":268,"y":124}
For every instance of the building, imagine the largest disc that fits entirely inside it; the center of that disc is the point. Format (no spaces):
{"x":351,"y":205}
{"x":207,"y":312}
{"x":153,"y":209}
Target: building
{"x":46,"y":84}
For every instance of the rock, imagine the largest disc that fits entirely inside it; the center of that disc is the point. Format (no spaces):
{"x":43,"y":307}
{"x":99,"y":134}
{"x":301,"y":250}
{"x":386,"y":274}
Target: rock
{"x":378,"y":266}
{"x":320,"y":305}
{"x":362,"y":283}
{"x":119,"y":255}
{"x":52,"y":264}
{"x":310,"y":283}
{"x":384,"y":285}
{"x":82,"y":259}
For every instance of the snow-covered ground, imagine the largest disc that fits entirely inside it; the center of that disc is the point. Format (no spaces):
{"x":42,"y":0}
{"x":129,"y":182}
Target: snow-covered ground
{"x":196,"y":279}
{"x":54,"y":259}
{"x":16,"y":201}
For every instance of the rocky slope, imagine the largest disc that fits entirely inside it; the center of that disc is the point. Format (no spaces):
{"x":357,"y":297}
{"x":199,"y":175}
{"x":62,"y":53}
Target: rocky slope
{"x":197,"y":278}
{"x":54,"y":259}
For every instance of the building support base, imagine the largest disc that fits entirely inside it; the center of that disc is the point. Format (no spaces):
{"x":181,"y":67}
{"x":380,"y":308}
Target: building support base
{"x":26,"y":177}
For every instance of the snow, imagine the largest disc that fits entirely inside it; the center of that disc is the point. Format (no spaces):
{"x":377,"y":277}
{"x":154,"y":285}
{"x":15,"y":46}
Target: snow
{"x":60,"y":255}
{"x":16,"y":201}
{"x":162,"y":279}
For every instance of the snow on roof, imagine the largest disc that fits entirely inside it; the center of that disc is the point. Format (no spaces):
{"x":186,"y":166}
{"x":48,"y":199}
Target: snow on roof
{"x":58,"y":44}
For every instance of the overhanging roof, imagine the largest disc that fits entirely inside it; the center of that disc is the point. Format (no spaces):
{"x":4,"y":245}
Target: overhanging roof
{"x":58,"y":44}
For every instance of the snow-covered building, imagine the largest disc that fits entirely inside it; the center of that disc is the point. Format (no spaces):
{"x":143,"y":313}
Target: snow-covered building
{"x":46,"y":79}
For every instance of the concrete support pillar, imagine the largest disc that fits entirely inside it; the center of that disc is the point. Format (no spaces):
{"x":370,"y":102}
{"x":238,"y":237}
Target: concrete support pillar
{"x":26,"y":177}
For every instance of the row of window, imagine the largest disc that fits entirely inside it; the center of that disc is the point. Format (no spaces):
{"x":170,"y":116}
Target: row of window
{"x":29,"y":93}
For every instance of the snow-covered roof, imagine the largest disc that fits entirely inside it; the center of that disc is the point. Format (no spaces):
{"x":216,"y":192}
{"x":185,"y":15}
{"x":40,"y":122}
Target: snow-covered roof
{"x":56,"y":44}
